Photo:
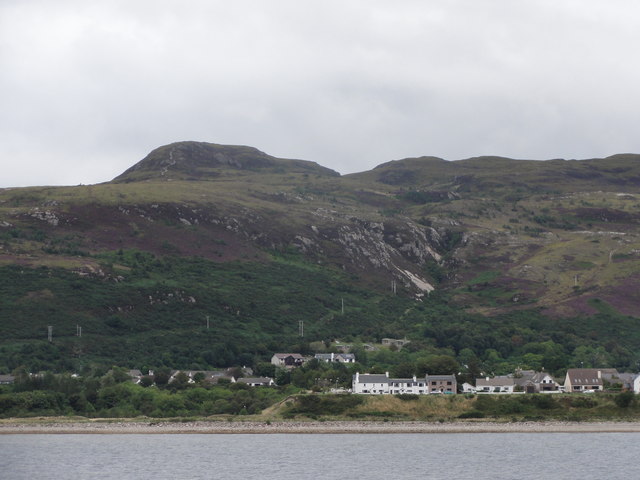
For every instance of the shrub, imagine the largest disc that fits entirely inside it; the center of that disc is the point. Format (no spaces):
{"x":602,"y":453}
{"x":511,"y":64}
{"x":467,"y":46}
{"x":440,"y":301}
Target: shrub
{"x":472,"y":414}
{"x":624,"y":399}
{"x":583,"y":402}
{"x":407,"y":397}
{"x":544,"y":402}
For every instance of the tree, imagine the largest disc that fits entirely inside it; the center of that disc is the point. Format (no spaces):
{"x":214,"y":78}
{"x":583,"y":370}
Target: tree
{"x":404,"y":370}
{"x":180,"y":381}
{"x":146,"y":381}
{"x":438,"y":365}
{"x":161,"y":376}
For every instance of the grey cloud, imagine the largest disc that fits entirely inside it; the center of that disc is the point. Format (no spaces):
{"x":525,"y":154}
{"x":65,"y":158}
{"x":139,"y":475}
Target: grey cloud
{"x":89,"y":88}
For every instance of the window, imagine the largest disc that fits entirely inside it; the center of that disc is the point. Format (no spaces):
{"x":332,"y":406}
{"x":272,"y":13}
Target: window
{"x":448,"y":383}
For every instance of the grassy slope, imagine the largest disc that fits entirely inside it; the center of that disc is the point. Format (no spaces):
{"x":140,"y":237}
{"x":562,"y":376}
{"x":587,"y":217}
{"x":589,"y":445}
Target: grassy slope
{"x":447,"y":408}
{"x":563,"y":248}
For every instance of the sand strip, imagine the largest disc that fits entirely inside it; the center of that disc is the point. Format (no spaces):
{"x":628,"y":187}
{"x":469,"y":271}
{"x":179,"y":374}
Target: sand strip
{"x":241,"y":427}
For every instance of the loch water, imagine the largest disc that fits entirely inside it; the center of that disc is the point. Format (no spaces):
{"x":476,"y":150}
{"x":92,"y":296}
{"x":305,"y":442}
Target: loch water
{"x":321,"y":456}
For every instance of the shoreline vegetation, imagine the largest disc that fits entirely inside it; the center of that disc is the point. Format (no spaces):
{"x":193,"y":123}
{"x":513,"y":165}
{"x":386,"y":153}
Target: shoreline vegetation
{"x":152,"y":426}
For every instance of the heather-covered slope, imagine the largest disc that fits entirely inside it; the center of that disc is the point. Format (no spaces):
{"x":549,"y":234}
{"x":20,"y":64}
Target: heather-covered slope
{"x":483,"y":254}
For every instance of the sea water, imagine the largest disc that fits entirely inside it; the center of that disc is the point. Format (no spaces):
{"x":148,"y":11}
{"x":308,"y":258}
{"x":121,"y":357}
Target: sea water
{"x":321,"y":456}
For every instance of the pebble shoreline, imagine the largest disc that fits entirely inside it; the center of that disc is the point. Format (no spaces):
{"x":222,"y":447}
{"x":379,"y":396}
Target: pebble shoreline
{"x":241,"y":427}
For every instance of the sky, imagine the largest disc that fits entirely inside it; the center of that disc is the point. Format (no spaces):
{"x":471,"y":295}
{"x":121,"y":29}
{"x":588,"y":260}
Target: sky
{"x":88,"y":88}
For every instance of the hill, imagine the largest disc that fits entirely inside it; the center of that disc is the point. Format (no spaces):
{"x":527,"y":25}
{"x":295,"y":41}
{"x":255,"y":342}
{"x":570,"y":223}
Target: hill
{"x":490,"y":257}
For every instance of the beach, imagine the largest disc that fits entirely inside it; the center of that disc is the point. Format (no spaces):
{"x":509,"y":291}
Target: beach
{"x":111,"y":426}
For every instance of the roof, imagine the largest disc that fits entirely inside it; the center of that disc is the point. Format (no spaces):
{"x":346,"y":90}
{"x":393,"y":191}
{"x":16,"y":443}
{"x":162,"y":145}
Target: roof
{"x":373,"y":378}
{"x":254,"y":380}
{"x":405,"y":380}
{"x":494,"y":382}
{"x":528,"y":377}
{"x":334,"y":356}
{"x":325,"y":356}
{"x":285,"y":355}
{"x":620,"y":377}
{"x":585,"y":376}
{"x":441,"y":377}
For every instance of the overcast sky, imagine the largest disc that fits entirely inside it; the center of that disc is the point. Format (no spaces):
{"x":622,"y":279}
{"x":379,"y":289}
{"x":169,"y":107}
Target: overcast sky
{"x":88,"y":88}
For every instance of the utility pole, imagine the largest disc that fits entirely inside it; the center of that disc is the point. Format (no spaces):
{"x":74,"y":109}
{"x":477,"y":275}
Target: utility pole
{"x":301,"y":328}
{"x":207,"y":322}
{"x":342,"y":309}
{"x":50,"y":333}
{"x":78,"y":331}
{"x":393,"y":286}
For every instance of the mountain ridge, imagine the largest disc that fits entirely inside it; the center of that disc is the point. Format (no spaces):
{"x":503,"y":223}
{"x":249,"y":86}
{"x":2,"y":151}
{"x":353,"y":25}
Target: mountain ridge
{"x":493,"y":236}
{"x":200,"y":160}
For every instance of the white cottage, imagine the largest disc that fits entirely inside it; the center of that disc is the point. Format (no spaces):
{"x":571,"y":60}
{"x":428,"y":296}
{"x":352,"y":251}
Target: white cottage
{"x":500,"y":384}
{"x":370,"y":383}
{"x":378,"y":384}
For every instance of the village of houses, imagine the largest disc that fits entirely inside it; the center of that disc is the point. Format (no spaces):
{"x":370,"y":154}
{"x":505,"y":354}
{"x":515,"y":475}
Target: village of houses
{"x":576,"y":380}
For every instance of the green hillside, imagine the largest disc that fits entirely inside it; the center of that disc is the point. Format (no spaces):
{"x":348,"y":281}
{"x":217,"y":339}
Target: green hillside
{"x":496,"y":263}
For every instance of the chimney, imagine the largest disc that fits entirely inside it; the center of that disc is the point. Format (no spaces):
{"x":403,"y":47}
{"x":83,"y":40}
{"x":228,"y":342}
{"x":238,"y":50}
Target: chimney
{"x":387,"y":374}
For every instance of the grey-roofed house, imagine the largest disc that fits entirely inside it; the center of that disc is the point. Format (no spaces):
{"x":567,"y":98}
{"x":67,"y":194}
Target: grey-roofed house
{"x":395,"y":342}
{"x":370,"y":383}
{"x":336,"y":357}
{"x":378,"y":384}
{"x":530,"y":381}
{"x":624,"y":380}
{"x":416,"y":386}
{"x":500,"y":384}
{"x":135,"y":375}
{"x":256,"y":381}
{"x":288,"y":360}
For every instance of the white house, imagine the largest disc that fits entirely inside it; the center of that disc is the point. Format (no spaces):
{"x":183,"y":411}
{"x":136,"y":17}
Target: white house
{"x":370,"y":383}
{"x":256,"y":381}
{"x":378,"y":384}
{"x":468,"y":388}
{"x":416,"y":386}
{"x":336,"y":357}
{"x":500,"y":384}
